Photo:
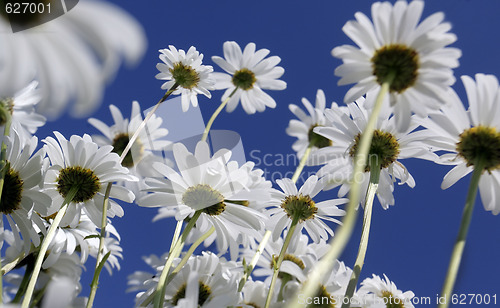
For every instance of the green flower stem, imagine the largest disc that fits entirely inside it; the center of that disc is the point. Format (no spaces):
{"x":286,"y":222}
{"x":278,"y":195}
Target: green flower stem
{"x":176,"y":251}
{"x":215,"y":114}
{"x":24,"y":283}
{"x":191,"y":250}
{"x":104,"y":221}
{"x":302,"y":163}
{"x":146,"y":119}
{"x":363,"y":245}
{"x":342,"y":236}
{"x":458,"y":249}
{"x":100,"y":251}
{"x":277,"y":264}
{"x":45,"y":245}
{"x":255,"y":259}
{"x":177,"y":233}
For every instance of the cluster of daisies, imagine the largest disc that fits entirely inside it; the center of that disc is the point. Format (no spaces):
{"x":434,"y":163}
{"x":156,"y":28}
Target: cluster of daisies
{"x":59,"y":197}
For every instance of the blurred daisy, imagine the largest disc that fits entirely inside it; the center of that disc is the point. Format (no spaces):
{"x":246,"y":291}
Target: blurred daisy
{"x":211,"y":184}
{"x":141,"y":155}
{"x":79,"y":162}
{"x":255,"y":295}
{"x":304,"y":126}
{"x":25,"y":120}
{"x":293,"y":203}
{"x":21,"y":191}
{"x":388,"y":146}
{"x":376,"y":292}
{"x":72,"y":56}
{"x":185,"y":70}
{"x":469,"y":136}
{"x":247,"y":74}
{"x":396,"y":47}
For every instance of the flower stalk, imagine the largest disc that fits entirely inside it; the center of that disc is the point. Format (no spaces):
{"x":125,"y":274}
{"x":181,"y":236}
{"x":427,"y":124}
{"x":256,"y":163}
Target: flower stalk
{"x":363,"y":245}
{"x":344,"y":233}
{"x":458,"y":249}
{"x":45,"y":245}
{"x":215,"y":114}
{"x":176,"y":251}
{"x":277,"y":264}
{"x":302,"y":162}
{"x":249,"y":268}
{"x":104,"y":221}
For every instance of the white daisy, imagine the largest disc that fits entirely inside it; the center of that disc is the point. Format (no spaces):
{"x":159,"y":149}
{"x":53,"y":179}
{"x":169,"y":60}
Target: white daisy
{"x":396,"y":46}
{"x":388,"y":146}
{"x":25,"y":120}
{"x":80,"y":162}
{"x":293,"y":203}
{"x":376,"y":292}
{"x":255,"y":295}
{"x":470,"y":135}
{"x":141,"y":155}
{"x":185,"y":70}
{"x":71,"y":56}
{"x":21,"y":193}
{"x":212,"y":184}
{"x":303,"y":128}
{"x":248,"y":74}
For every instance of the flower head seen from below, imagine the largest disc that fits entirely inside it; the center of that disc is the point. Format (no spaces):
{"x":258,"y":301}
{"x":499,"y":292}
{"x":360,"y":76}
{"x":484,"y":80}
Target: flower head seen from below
{"x":248,"y":73}
{"x":142,"y":153}
{"x":395,"y":48}
{"x":213,"y":185}
{"x":303,"y":128}
{"x":470,"y":137}
{"x":185,"y":71}
{"x":293,"y":203}
{"x":21,"y":193}
{"x":388,"y":146}
{"x":80,"y":163}
{"x":71,"y":56}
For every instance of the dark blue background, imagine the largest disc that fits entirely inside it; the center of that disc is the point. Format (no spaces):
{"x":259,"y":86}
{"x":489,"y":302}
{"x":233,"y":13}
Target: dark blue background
{"x":411,"y":242}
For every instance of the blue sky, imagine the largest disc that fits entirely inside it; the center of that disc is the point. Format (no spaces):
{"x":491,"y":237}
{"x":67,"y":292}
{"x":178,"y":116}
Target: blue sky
{"x":410,"y":242}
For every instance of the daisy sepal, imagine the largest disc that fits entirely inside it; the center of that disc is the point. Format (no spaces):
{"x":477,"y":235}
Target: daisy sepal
{"x":458,"y":248}
{"x":45,"y":245}
{"x":339,"y":241}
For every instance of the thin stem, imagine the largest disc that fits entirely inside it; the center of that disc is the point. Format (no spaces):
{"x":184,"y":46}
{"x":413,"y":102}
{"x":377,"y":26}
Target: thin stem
{"x":255,"y":259}
{"x":24,"y":283}
{"x":191,"y":250}
{"x":363,"y":245}
{"x":160,"y":288}
{"x":12,"y":264}
{"x":458,"y":249}
{"x":342,"y":236}
{"x":177,"y":233}
{"x":277,"y":264}
{"x":146,"y":119}
{"x":302,"y":163}
{"x":100,"y":251}
{"x":215,"y":114}
{"x":45,"y":245}
{"x":104,"y":221}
